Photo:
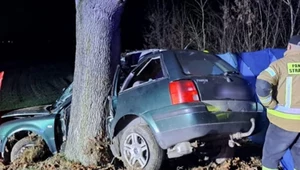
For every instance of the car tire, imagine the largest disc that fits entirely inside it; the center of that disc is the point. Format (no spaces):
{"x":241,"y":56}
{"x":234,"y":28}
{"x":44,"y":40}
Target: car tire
{"x":139,"y":145}
{"x":20,"y":146}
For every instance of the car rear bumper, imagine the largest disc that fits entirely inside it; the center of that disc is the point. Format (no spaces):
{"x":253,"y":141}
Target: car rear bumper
{"x":195,"y":122}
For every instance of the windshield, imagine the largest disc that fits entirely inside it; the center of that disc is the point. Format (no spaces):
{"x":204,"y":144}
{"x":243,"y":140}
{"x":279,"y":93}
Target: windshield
{"x":66,"y":94}
{"x":198,"y":63}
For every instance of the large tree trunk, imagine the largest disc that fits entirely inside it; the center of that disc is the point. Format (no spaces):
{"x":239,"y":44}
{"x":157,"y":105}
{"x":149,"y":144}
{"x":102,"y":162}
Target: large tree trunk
{"x":97,"y":52}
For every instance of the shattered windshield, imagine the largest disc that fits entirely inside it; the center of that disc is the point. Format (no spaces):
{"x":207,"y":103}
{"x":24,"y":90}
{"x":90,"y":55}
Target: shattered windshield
{"x":67,"y":93}
{"x":196,"y":63}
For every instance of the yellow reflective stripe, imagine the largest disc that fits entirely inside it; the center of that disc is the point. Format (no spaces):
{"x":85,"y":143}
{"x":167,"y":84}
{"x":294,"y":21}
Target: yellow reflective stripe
{"x":206,"y":51}
{"x":283,"y":115}
{"x":267,"y":99}
{"x":270,"y":71}
{"x":288,"y":92}
{"x":265,"y":168}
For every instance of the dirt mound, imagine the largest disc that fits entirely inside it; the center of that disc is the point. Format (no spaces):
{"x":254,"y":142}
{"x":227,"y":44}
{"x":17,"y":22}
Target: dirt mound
{"x":58,"y":162}
{"x":190,"y":162}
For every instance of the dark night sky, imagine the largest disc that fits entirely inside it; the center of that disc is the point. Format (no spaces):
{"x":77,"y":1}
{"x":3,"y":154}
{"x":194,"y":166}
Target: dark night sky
{"x":35,"y":18}
{"x":46,"y":29}
{"x":38,"y":29}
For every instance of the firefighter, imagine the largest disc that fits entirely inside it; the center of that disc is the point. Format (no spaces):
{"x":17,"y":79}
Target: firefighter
{"x":278,"y":89}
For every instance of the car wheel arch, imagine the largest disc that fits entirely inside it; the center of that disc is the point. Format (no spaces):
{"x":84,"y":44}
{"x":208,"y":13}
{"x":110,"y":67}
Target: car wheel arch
{"x":22,"y":134}
{"x":120,"y":126}
{"x":124,"y":121}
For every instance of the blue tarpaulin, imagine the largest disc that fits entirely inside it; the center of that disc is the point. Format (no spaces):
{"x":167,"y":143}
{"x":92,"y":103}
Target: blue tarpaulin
{"x":230,"y":58}
{"x":250,"y":64}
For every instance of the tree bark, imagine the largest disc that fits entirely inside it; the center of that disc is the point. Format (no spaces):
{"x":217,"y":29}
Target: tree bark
{"x":97,"y":53}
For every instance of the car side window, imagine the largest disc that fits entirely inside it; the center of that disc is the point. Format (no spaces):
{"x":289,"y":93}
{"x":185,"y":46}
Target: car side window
{"x":151,"y":71}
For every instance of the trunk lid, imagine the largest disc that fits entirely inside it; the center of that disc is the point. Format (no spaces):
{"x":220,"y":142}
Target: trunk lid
{"x":223,"y":88}
{"x":226,"y":93}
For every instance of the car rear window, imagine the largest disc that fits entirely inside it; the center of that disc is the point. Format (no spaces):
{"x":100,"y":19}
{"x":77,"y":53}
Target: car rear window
{"x":199,"y":63}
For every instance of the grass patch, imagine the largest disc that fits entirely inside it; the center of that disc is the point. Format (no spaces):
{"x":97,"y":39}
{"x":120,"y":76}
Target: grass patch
{"x":34,"y":85}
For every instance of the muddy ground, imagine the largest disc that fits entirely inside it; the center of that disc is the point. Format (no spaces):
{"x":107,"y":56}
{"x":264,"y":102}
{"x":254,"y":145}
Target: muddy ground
{"x":246,"y":158}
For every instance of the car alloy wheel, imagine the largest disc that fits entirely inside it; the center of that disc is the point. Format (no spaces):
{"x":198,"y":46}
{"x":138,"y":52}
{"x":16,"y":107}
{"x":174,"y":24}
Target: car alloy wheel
{"x":136,"y":150}
{"x":24,"y":148}
{"x":19,"y":147}
{"x":139,"y":148}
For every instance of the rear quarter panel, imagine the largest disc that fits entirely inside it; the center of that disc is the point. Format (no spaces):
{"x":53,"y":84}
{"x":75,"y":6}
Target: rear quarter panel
{"x":139,"y":100}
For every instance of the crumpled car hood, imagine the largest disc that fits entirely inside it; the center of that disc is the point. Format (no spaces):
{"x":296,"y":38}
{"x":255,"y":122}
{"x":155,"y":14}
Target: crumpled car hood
{"x":29,"y":111}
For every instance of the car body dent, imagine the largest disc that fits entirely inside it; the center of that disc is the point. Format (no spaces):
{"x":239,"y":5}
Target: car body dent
{"x":144,"y":94}
{"x":140,"y":91}
{"x":30,"y":111}
{"x":42,"y":120}
{"x":43,"y":126}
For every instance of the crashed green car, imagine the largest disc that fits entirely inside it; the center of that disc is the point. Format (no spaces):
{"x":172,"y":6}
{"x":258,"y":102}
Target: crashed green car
{"x":47,"y":121}
{"x":163,"y":104}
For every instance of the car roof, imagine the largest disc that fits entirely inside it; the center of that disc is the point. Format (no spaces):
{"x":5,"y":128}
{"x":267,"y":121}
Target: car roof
{"x":141,"y":55}
{"x":146,"y":54}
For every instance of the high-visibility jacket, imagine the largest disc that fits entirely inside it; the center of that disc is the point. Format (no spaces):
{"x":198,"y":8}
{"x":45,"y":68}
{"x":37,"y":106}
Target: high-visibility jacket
{"x":278,"y":89}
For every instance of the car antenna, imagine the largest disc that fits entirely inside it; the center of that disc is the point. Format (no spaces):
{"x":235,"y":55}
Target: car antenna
{"x":188,"y":44}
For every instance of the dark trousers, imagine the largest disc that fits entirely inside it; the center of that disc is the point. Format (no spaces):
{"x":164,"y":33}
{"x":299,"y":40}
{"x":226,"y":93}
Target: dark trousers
{"x":277,"y":142}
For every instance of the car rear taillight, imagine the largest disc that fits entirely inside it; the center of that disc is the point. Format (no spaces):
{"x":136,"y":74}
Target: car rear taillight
{"x":183,"y":91}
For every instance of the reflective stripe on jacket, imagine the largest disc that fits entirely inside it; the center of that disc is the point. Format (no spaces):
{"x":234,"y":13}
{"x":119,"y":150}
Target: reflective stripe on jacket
{"x":278,"y":89}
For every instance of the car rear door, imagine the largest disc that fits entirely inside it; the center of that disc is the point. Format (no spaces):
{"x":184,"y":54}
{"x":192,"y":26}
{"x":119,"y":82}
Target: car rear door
{"x":145,"y":89}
